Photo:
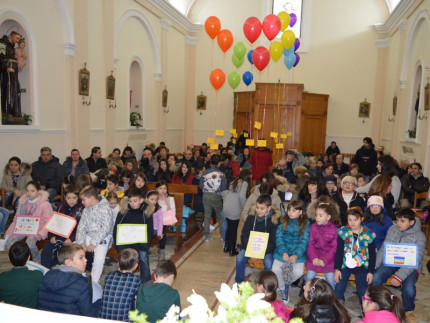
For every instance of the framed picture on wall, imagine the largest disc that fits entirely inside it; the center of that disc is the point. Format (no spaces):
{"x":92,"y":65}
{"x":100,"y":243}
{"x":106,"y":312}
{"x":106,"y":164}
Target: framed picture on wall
{"x":110,"y":87}
{"x":84,"y":81}
{"x":164,"y":98}
{"x":364,"y":111}
{"x":427,"y":96}
{"x":201,"y":102}
{"x":394,"y":104}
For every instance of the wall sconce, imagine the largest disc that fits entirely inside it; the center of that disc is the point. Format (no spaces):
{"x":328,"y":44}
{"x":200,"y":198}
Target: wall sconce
{"x":112,"y":106}
{"x":84,"y":102}
{"x":391,"y":119}
{"x":166,"y":109}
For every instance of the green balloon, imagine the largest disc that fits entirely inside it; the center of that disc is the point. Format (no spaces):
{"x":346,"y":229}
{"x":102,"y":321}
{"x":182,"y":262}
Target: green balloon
{"x":240,"y":49}
{"x":237,"y":61}
{"x":234,"y":79}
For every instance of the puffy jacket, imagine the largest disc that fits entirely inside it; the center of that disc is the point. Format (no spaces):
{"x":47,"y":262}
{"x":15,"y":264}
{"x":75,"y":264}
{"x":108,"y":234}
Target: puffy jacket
{"x":81,"y":167}
{"x":252,"y":199}
{"x":66,"y":290}
{"x":261,"y":160}
{"x":356,"y":200}
{"x":379,"y":316}
{"x":379,"y":229}
{"x":322,"y":314}
{"x":288,"y":241}
{"x":49,"y":174}
{"x":410,"y":185}
{"x":366,"y":160}
{"x":322,"y":245}
{"x":24,"y":178}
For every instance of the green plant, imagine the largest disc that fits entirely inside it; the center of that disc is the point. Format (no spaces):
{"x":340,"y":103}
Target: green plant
{"x":136,"y":119}
{"x":27,"y":118}
{"x":4,"y":118}
{"x":412,"y":133}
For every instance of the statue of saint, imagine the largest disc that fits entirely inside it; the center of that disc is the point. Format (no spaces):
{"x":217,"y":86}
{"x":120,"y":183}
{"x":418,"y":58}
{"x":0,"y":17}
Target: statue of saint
{"x":20,"y":54}
{"x":10,"y":88}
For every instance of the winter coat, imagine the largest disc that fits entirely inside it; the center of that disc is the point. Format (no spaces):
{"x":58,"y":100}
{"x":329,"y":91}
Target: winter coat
{"x":280,"y":310}
{"x":343,"y":168}
{"x":379,"y":316}
{"x":366,"y":160}
{"x":75,"y":212}
{"x":176,"y":179}
{"x":94,"y":165}
{"x":24,"y":178}
{"x":311,"y":207}
{"x":412,"y":235}
{"x":66,"y":290}
{"x":81,"y":167}
{"x":42,"y":209}
{"x":125,"y":158}
{"x":289,"y":241}
{"x":213,"y":180}
{"x":235,"y":200}
{"x":322,"y":245}
{"x":49,"y":174}
{"x":244,"y":164}
{"x":356,"y":200}
{"x":379,"y":229}
{"x":330,"y":151}
{"x":96,"y":222}
{"x":322,"y":314}
{"x":266,"y":224}
{"x":261,"y":160}
{"x":113,"y":162}
{"x":252,"y":199}
{"x":395,"y":190}
{"x":410,"y":185}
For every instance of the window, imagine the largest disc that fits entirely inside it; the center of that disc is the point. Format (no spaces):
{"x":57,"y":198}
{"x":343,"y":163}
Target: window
{"x":290,"y":6}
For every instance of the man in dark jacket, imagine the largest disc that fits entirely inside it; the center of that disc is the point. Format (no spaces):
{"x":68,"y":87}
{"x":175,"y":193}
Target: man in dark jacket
{"x":332,"y":149}
{"x":48,"y":172}
{"x":95,"y":161}
{"x":75,"y":165}
{"x":413,"y":183}
{"x":366,"y":158}
{"x":340,"y":167}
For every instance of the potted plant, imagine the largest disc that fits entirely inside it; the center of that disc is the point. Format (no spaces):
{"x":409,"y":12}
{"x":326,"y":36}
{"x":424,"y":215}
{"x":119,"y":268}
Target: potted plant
{"x":27,"y":118}
{"x":412,"y":133}
{"x":136,"y":119}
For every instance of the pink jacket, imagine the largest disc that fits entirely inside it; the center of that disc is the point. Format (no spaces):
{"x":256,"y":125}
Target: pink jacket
{"x":379,"y":316}
{"x":280,"y":310}
{"x":42,"y":209}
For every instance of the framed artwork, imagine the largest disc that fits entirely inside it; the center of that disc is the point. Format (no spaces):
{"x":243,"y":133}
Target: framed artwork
{"x":164,"y":97}
{"x":201,"y":102}
{"x":427,"y":96}
{"x":110,"y":87}
{"x":364,"y":111}
{"x":394,"y":104}
{"x":84,"y":81}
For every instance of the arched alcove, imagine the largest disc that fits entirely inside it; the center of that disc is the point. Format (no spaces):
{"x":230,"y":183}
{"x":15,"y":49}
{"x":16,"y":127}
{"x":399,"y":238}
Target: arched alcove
{"x":415,"y":100}
{"x":136,"y":87}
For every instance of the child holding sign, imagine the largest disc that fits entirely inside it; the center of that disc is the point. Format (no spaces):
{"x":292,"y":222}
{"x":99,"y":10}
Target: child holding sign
{"x":72,"y":207}
{"x":258,"y":236}
{"x":406,"y":231}
{"x":34,"y":205}
{"x":136,"y":217}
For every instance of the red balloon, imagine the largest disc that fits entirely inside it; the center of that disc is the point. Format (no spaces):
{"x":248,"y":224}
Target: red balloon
{"x":217,"y":78}
{"x":261,"y":57}
{"x":271,"y":26}
{"x":252,"y":29}
{"x":225,"y":39}
{"x":212,"y":26}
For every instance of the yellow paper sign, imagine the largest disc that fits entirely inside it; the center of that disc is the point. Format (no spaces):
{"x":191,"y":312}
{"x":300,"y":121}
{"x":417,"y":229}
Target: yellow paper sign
{"x":280,"y":146}
{"x":257,"y":125}
{"x":249,"y":142}
{"x":235,"y":135}
{"x":273,"y":134}
{"x":232,"y":130}
{"x":214,"y":146}
{"x":257,"y":244}
{"x":233,"y":141}
{"x":289,"y":134}
{"x":284,"y":136}
{"x":275,"y":140}
{"x":261,"y":143}
{"x":219,"y":133}
{"x":211,"y":140}
{"x":245,"y":135}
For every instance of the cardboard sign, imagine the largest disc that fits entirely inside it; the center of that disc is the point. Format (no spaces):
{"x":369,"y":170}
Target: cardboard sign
{"x":26,"y":225}
{"x":211,"y":140}
{"x":284,"y":136}
{"x":232,"y":131}
{"x":280,"y":146}
{"x":289,"y":134}
{"x":273,"y":134}
{"x":131,"y":233}
{"x":219,"y":133}
{"x":233,"y":141}
{"x":261,"y":143}
{"x":61,"y":224}
{"x":214,"y":146}
{"x":257,"y":125}
{"x":401,"y":255}
{"x":245,"y":135}
{"x":249,"y":142}
{"x":235,"y":135}
{"x":257,"y":244}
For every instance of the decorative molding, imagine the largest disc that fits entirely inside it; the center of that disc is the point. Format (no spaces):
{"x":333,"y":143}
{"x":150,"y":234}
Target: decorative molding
{"x":133,"y":129}
{"x":157,"y":76}
{"x":68,"y":31}
{"x":396,"y":16}
{"x":402,"y":25}
{"x":190,"y":40}
{"x":402,"y":84}
{"x":69,"y":49}
{"x":165,"y":24}
{"x":383,"y":43}
{"x":5,"y":129}
{"x":97,"y":130}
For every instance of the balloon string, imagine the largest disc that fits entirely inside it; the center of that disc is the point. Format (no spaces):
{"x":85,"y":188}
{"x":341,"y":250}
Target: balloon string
{"x":264,"y":109}
{"x":216,"y":104}
{"x":212,"y":55}
{"x":250,"y":113}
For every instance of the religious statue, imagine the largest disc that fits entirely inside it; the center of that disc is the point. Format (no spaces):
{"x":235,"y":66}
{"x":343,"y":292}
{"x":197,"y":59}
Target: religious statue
{"x":10,"y":88}
{"x":20,"y":54}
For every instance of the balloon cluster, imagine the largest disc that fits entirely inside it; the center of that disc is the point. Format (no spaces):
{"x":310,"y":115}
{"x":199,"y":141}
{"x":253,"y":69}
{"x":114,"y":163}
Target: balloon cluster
{"x":260,"y":56}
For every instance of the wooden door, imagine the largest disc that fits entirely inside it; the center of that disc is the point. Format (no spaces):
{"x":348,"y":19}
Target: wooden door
{"x":243,"y":108}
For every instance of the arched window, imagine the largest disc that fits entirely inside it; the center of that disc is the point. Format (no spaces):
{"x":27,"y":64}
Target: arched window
{"x":290,"y":6}
{"x":136,"y":86}
{"x":415,"y":102}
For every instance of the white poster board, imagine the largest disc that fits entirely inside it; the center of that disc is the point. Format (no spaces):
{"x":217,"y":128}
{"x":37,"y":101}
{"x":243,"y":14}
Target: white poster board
{"x":26,"y":225}
{"x":131,"y":233}
{"x":257,"y":245}
{"x":61,"y":224}
{"x":401,"y":255}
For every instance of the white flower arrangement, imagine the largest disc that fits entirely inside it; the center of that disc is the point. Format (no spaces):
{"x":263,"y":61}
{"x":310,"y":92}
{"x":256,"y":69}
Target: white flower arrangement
{"x":2,"y":49}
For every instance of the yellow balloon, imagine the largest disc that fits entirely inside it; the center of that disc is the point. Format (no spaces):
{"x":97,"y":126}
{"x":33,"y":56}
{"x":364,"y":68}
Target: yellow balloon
{"x":288,"y":38}
{"x":276,"y":50}
{"x":285,"y":20}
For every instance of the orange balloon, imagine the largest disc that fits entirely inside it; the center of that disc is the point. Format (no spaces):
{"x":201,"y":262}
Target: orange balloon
{"x":225,"y":39}
{"x":212,"y":26}
{"x":217,"y":78}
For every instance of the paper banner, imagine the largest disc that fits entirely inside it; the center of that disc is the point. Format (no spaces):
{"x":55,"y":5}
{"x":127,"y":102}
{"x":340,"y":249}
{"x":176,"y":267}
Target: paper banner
{"x":60,"y":224}
{"x":26,"y":225}
{"x":280,"y":146}
{"x":219,"y":133}
{"x":257,"y":125}
{"x":257,"y":244}
{"x":261,"y":143}
{"x":214,"y":146}
{"x":275,"y":140}
{"x":249,"y":142}
{"x":289,"y":134}
{"x":245,"y":135}
{"x":284,"y":136}
{"x":131,"y":233}
{"x":235,"y":135}
{"x":233,"y":141}
{"x":232,"y":130}
{"x":273,"y":134}
{"x":211,"y":140}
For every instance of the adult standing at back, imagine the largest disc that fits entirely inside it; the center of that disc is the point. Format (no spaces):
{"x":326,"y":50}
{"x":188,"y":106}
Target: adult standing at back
{"x":366,"y":158}
{"x":48,"y":171}
{"x":75,"y":165}
{"x":261,"y":159}
{"x":95,"y":161}
{"x":332,"y":149}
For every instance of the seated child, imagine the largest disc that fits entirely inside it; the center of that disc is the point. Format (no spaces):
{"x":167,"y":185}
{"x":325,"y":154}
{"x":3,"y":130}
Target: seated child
{"x":377,"y":219}
{"x":320,"y":304}
{"x":136,"y":213}
{"x":65,"y":289}
{"x":71,"y":206}
{"x":156,"y":299}
{"x":114,"y":204}
{"x":94,"y":228}
{"x":20,"y":286}
{"x":266,"y":282}
{"x":379,"y":305}
{"x":406,"y":230}
{"x":126,"y":177}
{"x":119,"y":294}
{"x":265,"y":219}
{"x":112,"y":182}
{"x":157,"y":213}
